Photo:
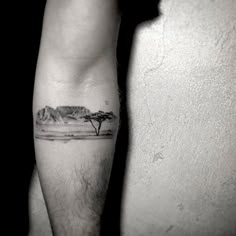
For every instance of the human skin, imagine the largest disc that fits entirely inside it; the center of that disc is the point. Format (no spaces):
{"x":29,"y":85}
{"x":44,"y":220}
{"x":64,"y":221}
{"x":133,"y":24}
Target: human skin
{"x":76,"y":68}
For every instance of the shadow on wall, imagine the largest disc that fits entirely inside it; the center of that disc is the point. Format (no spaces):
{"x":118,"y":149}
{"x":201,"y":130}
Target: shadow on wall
{"x":134,"y":12}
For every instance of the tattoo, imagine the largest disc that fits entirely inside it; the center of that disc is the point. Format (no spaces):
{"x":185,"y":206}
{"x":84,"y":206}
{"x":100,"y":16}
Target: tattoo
{"x":73,"y":122}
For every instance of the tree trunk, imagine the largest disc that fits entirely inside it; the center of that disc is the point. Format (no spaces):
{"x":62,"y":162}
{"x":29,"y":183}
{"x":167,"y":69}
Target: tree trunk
{"x":96,"y":131}
{"x":99,"y":127}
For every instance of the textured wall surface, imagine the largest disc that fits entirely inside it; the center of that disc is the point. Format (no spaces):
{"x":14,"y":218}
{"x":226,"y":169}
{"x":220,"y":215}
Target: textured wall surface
{"x":181,"y":177}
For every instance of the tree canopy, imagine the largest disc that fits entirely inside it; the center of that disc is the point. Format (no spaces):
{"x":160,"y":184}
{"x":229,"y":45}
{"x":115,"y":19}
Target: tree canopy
{"x":99,"y":117}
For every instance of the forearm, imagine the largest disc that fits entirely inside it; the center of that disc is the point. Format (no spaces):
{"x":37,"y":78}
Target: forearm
{"x":74,"y":143}
{"x":74,"y":172}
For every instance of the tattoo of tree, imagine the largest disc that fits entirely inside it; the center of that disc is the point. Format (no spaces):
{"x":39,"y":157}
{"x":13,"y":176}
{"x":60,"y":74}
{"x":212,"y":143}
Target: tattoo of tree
{"x":98,"y":117}
{"x":73,"y":122}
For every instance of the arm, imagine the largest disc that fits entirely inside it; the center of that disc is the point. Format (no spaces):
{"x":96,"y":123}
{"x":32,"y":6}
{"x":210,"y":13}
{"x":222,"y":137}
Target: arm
{"x":74,"y":142}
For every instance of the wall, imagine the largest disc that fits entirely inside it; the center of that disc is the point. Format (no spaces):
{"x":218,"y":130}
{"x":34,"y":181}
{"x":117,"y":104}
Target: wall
{"x":181,"y":177}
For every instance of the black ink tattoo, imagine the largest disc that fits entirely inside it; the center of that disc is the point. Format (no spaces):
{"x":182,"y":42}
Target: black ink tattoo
{"x":73,"y":122}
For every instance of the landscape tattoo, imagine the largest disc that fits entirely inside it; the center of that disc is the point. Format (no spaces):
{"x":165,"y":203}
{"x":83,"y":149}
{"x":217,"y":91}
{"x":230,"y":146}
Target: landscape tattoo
{"x":73,"y":122}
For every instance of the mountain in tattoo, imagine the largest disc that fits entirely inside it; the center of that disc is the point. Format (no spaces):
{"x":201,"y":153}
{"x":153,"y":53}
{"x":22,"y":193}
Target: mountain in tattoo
{"x":73,"y":122}
{"x":73,"y":111}
{"x":48,"y":115}
{"x":60,"y":115}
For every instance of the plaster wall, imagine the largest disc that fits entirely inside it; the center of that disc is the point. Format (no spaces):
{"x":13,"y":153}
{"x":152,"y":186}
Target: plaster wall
{"x":181,"y":176}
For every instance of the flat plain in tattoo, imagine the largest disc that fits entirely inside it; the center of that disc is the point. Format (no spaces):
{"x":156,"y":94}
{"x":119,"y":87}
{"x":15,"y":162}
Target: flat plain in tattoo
{"x":73,"y":122}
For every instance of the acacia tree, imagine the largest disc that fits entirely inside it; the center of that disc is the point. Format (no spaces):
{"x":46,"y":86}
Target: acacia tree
{"x":98,"y":117}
